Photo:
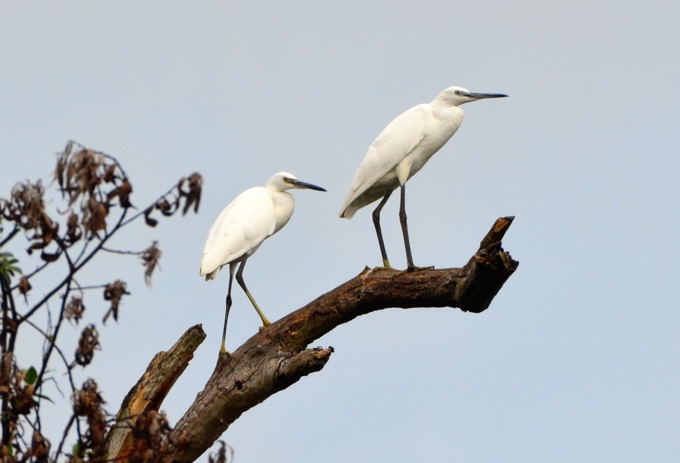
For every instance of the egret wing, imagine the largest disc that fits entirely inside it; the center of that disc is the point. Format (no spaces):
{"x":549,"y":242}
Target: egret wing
{"x":239,"y":229}
{"x":393,"y":144}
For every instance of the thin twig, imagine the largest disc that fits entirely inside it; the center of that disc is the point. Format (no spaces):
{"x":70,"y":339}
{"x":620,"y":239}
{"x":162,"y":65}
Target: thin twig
{"x":10,"y":235}
{"x":85,"y":288}
{"x":67,"y":429}
{"x":33,"y":273}
{"x":141,"y":212}
{"x":118,"y":251}
{"x":52,"y":342}
{"x":80,"y":265}
{"x":59,"y":351}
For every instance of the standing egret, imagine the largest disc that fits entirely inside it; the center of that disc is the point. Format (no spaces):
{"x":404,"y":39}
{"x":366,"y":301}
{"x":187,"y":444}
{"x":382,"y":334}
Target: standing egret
{"x":401,"y":150}
{"x":242,"y":226}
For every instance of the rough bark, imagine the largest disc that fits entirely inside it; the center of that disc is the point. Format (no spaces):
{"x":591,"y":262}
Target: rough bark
{"x":150,"y":391}
{"x":277,"y":356}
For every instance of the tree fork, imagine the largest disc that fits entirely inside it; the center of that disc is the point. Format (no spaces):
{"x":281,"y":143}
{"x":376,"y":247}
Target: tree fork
{"x":277,"y":356}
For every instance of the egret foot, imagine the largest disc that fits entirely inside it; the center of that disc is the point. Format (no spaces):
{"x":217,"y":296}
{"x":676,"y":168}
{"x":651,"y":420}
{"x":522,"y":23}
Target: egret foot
{"x":413,"y":268}
{"x":224,"y":351}
{"x":383,"y":267}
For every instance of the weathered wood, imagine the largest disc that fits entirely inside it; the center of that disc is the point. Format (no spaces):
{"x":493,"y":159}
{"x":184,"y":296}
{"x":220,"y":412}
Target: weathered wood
{"x":277,"y":356}
{"x":150,"y":391}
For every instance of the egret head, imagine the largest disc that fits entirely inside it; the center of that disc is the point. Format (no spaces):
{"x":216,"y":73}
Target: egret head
{"x":282,"y":181}
{"x":456,"y":96}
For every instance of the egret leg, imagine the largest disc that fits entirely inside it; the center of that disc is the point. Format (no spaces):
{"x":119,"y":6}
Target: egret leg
{"x":378,"y":231}
{"x":223,"y":347}
{"x":239,"y":278}
{"x":404,"y":226}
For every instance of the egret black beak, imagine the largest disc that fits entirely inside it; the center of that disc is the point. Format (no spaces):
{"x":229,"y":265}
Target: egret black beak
{"x":481,"y":96}
{"x":300,"y":184}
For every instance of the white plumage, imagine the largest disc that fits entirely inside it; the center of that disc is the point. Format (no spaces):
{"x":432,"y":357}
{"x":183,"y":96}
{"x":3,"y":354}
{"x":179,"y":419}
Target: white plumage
{"x":243,"y":225}
{"x":401,"y":150}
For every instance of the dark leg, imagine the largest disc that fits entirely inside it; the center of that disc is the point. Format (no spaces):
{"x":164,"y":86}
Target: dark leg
{"x":404,"y":227}
{"x":239,"y":278}
{"x":376,"y":222}
{"x":223,"y":347}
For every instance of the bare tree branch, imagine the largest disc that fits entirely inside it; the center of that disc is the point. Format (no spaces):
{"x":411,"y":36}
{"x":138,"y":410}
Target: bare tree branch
{"x":150,"y":390}
{"x":277,"y":356}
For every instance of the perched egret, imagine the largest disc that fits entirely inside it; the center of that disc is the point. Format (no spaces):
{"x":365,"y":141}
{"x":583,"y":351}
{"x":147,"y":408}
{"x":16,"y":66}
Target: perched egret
{"x":242,"y":226}
{"x":401,"y":150}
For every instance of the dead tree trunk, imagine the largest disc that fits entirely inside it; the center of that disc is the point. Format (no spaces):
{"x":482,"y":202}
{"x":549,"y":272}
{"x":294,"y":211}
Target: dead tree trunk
{"x":277,"y":356}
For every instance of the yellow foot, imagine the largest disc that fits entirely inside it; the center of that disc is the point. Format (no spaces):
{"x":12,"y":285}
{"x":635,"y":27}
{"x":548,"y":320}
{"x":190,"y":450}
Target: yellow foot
{"x":413,"y":269}
{"x":376,"y":269}
{"x":385,"y":266}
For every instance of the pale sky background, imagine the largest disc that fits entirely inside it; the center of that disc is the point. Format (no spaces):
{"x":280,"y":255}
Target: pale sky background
{"x":577,"y":357}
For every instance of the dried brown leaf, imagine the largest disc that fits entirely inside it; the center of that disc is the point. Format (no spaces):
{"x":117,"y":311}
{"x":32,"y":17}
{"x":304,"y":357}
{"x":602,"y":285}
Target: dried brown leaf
{"x":73,"y":230}
{"x":150,"y":221}
{"x":110,"y":174}
{"x":87,"y":344}
{"x":122,"y":192}
{"x":114,"y":292}
{"x":24,"y":285}
{"x":94,"y":217}
{"x":193,"y":195}
{"x":87,"y":402}
{"x":50,"y":256}
{"x":150,"y":257}
{"x":40,"y":448}
{"x":224,"y":454}
{"x":151,"y":431}
{"x":166,"y":207}
{"x":74,"y":310}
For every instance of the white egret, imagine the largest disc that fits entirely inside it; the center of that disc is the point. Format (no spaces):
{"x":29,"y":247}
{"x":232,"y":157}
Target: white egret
{"x":242,"y":226}
{"x":401,"y":150}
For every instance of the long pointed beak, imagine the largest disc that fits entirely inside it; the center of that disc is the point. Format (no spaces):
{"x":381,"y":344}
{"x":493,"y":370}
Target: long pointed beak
{"x":301,"y":184}
{"x":481,"y":96}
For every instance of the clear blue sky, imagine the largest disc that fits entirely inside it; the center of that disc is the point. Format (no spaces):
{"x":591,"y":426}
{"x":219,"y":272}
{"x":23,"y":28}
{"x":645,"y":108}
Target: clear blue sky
{"x":577,"y":358}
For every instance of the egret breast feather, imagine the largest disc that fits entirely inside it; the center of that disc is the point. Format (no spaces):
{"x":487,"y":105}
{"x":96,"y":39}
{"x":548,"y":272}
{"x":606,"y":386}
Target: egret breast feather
{"x":240,"y":229}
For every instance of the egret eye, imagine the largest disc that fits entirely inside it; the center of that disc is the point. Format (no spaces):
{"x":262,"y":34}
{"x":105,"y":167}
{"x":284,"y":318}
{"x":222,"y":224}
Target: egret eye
{"x":458,"y":92}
